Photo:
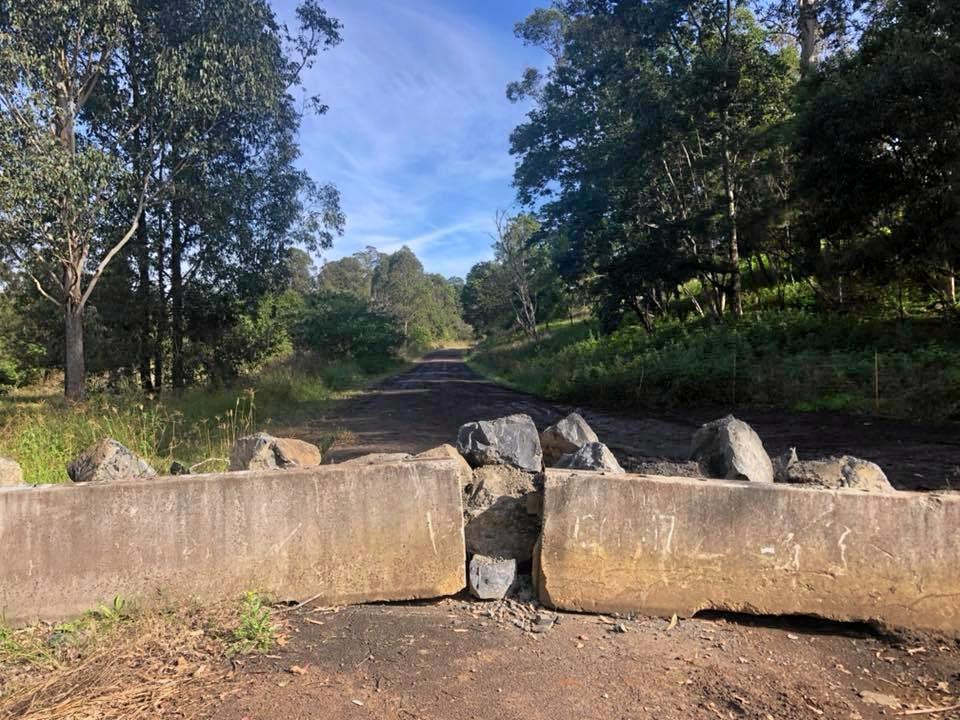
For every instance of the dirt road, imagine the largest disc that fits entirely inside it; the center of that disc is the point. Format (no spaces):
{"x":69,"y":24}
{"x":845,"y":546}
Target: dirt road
{"x":457,"y":659}
{"x":423,"y":407}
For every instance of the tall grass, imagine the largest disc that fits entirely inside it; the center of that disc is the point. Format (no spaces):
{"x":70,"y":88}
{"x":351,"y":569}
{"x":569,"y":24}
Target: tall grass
{"x":788,"y":360}
{"x":196,"y":427}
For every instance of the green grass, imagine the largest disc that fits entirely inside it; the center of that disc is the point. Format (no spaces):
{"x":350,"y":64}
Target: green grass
{"x":196,"y":427}
{"x":793,"y":360}
{"x":255,"y":631}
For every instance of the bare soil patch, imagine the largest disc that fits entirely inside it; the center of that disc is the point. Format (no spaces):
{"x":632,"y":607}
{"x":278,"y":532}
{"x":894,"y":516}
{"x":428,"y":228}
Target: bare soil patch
{"x":459,"y":659}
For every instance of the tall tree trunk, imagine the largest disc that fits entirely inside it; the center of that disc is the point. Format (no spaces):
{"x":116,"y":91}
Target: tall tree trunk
{"x":736,"y":296}
{"x":143,"y":304}
{"x":808,"y":27}
{"x":160,"y":316}
{"x":74,"y":380}
{"x":176,"y":297}
{"x":142,"y":238}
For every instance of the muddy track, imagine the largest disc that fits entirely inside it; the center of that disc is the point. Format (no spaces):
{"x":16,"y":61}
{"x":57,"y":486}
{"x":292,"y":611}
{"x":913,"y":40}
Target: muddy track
{"x":423,"y":407}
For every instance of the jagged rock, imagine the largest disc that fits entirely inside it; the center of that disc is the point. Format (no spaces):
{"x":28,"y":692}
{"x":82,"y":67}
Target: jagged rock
{"x":729,"y":448}
{"x":265,"y":452}
{"x":11,"y":474}
{"x":564,"y":437}
{"x":843,"y":472}
{"x":108,"y":460}
{"x":592,"y":456}
{"x":491,"y":578}
{"x":511,"y":440}
{"x":782,"y":464}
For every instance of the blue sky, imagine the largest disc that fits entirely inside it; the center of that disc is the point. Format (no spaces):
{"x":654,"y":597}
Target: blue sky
{"x":417,"y":135}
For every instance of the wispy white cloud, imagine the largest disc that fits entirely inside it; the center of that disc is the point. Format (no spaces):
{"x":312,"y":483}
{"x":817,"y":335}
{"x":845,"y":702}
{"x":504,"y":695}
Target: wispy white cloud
{"x":417,"y":135}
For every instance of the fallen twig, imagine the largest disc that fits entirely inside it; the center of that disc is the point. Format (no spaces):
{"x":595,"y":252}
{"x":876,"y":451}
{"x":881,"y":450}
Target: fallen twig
{"x":931,"y":710}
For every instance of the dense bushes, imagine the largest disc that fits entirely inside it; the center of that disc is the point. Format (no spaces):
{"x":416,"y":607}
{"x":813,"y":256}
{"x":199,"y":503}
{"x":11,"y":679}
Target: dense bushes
{"x":792,"y":360}
{"x":341,"y":325}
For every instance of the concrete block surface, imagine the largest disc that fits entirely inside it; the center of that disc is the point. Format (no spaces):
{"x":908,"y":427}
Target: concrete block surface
{"x":348,"y":534}
{"x":661,"y":546}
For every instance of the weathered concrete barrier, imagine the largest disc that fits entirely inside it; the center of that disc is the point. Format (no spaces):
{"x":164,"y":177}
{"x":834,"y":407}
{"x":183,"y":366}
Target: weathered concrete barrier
{"x":346,"y":533}
{"x":675,"y":545}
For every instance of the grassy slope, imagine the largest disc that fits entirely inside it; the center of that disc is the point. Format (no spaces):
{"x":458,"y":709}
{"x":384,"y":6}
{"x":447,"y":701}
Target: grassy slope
{"x":783,"y":360}
{"x":43,"y":433}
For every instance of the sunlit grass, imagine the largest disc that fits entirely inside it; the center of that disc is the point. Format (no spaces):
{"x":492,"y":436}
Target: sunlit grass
{"x":196,"y":427}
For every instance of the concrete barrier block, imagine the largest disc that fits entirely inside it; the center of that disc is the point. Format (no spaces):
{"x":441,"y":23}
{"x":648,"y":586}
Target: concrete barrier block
{"x":348,"y":534}
{"x":661,"y":546}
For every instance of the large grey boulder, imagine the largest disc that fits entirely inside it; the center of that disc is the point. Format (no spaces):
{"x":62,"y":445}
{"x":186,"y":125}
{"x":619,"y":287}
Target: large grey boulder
{"x":565,"y":437}
{"x":11,"y":474}
{"x":729,"y":448}
{"x":108,"y":460}
{"x":491,"y":578}
{"x":592,"y":456}
{"x":511,"y":440}
{"x":838,"y":472}
{"x":265,"y":452}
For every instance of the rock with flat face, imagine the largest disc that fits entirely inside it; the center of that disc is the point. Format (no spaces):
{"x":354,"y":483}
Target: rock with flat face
{"x":491,"y":578}
{"x":108,"y":460}
{"x":511,"y":440}
{"x":565,"y":437}
{"x":729,"y":449}
{"x":11,"y":474}
{"x":265,"y":452}
{"x":291,"y":452}
{"x":835,"y":473}
{"x":592,"y":456}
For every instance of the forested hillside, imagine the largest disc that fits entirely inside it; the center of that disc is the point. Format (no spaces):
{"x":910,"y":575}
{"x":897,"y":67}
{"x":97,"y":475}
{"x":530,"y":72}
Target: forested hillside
{"x":755,"y":180}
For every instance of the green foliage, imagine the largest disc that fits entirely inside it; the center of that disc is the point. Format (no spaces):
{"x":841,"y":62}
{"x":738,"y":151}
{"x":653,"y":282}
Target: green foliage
{"x":790,"y":360}
{"x":879,"y":145}
{"x":255,"y":631}
{"x":151,"y":146}
{"x":196,"y":427}
{"x":340,"y":325}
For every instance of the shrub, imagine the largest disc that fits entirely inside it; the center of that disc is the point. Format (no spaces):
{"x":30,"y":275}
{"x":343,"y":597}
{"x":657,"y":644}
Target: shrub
{"x":793,"y":360}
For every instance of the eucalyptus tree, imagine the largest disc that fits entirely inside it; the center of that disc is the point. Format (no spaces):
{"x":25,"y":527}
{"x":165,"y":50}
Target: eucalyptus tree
{"x":105,"y":105}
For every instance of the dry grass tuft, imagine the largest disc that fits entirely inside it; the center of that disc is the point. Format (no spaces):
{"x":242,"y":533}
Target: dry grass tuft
{"x":135,"y":668}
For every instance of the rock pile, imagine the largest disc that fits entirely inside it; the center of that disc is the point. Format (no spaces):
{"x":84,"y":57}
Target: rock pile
{"x":503,"y":497}
{"x":572,"y":444}
{"x":730,"y":449}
